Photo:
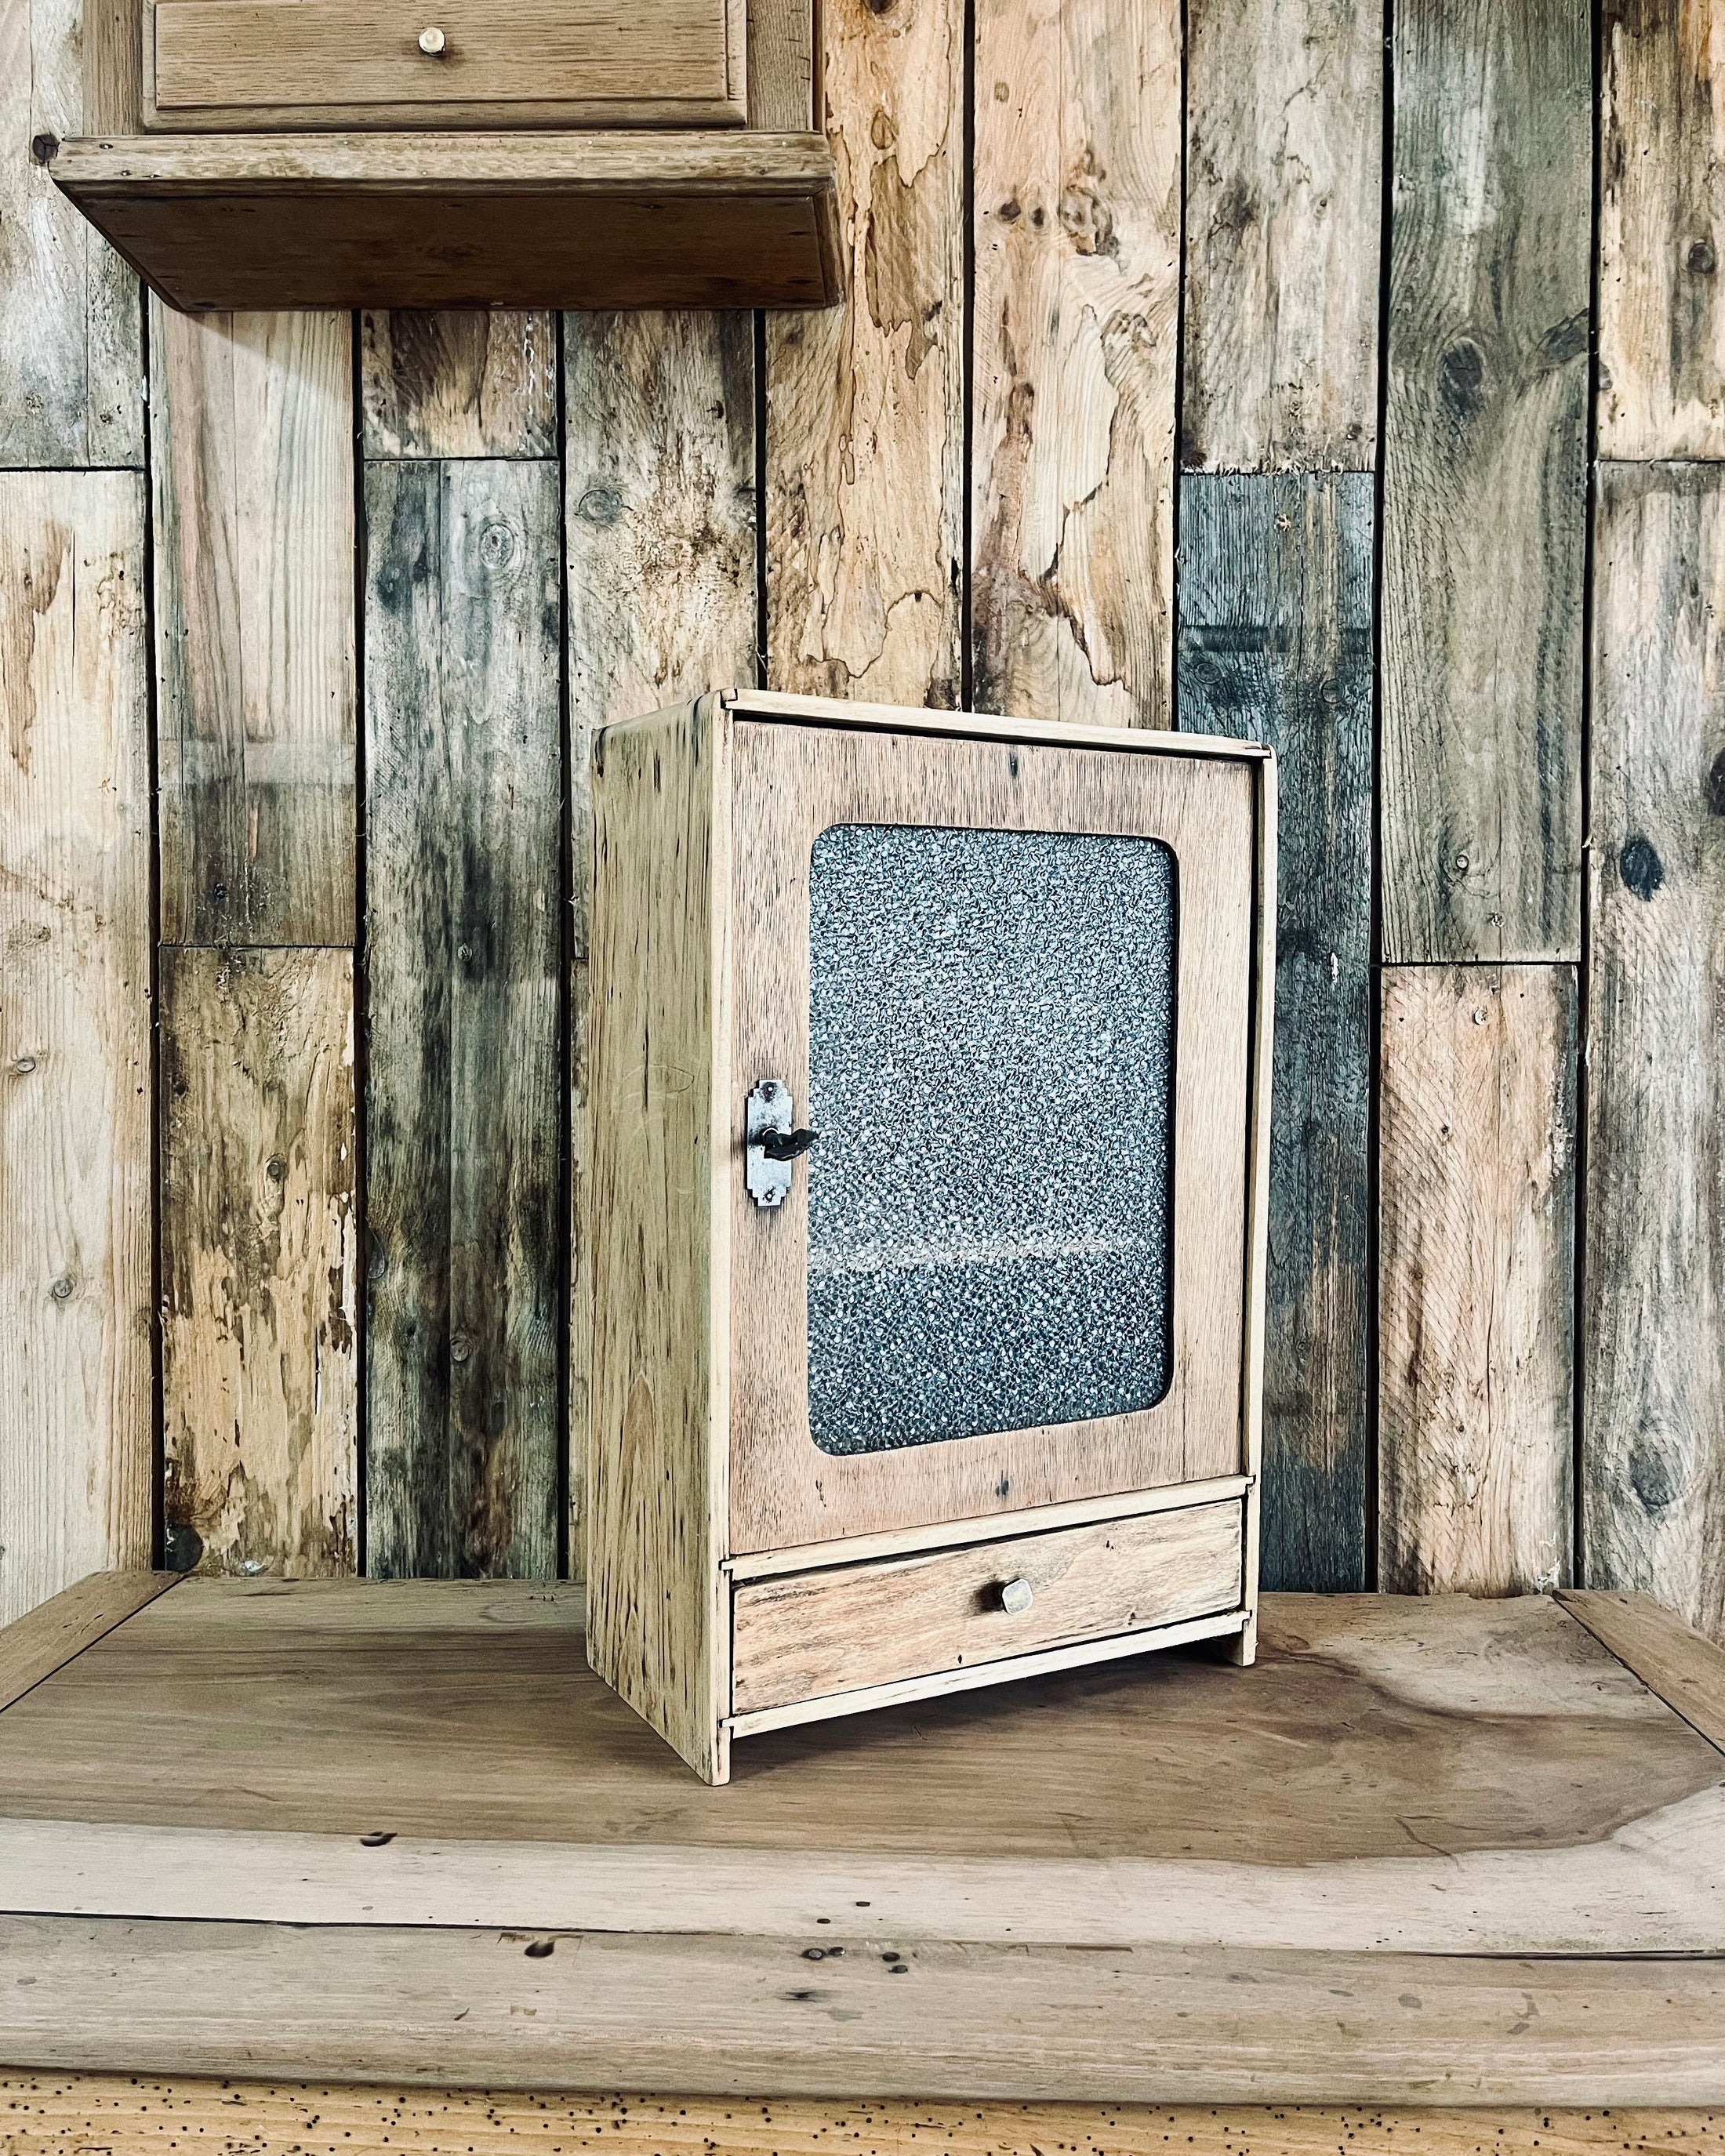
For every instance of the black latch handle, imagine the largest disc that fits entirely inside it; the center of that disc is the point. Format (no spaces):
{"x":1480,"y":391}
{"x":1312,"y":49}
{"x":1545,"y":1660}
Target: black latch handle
{"x":785,"y":1145}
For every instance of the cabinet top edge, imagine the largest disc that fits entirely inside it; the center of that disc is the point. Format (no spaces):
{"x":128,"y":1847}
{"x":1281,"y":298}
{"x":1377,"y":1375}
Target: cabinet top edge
{"x":760,"y":704}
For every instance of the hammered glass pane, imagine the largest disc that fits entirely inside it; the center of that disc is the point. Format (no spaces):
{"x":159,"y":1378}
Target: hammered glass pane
{"x":991,"y":1057}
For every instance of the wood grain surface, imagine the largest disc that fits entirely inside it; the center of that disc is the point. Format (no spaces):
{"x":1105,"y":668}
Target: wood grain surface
{"x":76,"y":1471}
{"x":251,"y":420}
{"x":660,"y":535}
{"x":1276,"y":645}
{"x":1076,"y":242}
{"x":71,"y":320}
{"x":1484,"y":502}
{"x":1682,"y":1665}
{"x":1661,"y":230}
{"x":78,"y":2114}
{"x":458,"y":384}
{"x":1284,"y":152}
{"x":34,"y":1646}
{"x":1475,"y":1278}
{"x":1653,"y":1501}
{"x":865,"y":404}
{"x":260,"y":1261}
{"x":462,"y":1017}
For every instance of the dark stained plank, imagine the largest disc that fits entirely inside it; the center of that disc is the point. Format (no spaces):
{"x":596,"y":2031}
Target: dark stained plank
{"x":1661,"y":230}
{"x":1276,"y":645}
{"x":260,"y":1261}
{"x":462,"y":1118}
{"x":45,"y":1639}
{"x":1653,"y":1455}
{"x":864,"y":450}
{"x":1484,"y":497}
{"x":1476,"y":1278}
{"x":1670,"y":1658}
{"x":459,"y":384}
{"x":1076,"y":304}
{"x":659,"y":519}
{"x":71,"y":320}
{"x":1284,"y":126}
{"x":252,"y":419}
{"x":76,"y":1475}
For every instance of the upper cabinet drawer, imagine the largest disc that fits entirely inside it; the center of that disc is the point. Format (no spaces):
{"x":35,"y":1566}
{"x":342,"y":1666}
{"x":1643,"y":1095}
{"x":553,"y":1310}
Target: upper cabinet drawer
{"x":242,"y":65}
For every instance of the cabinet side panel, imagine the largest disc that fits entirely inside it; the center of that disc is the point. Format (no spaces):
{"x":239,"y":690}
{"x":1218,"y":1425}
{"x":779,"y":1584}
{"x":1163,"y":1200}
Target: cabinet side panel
{"x":659,"y":1245}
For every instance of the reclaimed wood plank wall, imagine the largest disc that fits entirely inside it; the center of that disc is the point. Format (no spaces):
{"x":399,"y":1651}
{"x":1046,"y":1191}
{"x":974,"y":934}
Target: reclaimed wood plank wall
{"x":1344,"y":375}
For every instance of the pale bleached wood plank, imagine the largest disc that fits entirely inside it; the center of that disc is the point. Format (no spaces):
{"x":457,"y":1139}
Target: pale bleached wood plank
{"x":660,"y":518}
{"x":252,"y":426}
{"x":1653,"y":1451}
{"x":71,"y":319}
{"x":461,"y":1111}
{"x":48,"y":2113}
{"x":1077,"y":176}
{"x":75,"y":1469}
{"x":1284,"y":129}
{"x":1661,"y":230}
{"x":34,"y":1646}
{"x":865,"y":401}
{"x":259,"y":1246}
{"x":1682,"y":1665}
{"x":1484,"y":495}
{"x":459,"y":384}
{"x":1477,"y":1224}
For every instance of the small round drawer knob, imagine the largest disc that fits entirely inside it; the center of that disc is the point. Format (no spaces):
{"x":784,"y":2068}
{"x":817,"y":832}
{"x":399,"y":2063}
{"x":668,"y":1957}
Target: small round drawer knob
{"x":1016,"y":1597}
{"x":431,"y":41}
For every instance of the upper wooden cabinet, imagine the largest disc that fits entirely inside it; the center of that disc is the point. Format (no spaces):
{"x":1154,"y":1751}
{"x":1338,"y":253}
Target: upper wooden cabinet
{"x":427,"y":153}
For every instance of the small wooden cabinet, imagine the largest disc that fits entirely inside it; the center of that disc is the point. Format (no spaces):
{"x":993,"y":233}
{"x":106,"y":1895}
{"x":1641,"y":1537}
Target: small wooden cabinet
{"x":929,"y":1068}
{"x":407,"y":153}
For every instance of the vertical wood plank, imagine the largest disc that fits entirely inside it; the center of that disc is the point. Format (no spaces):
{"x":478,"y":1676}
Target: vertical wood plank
{"x":1077,"y":221}
{"x":252,"y":424}
{"x":1284,"y":125}
{"x":1661,"y":230}
{"x":459,"y":384}
{"x":660,"y":516}
{"x":1484,"y":496}
{"x":1476,"y":1278}
{"x":71,"y":324}
{"x":1654,"y":1444}
{"x":259,"y":1373}
{"x":75,"y":1408}
{"x":864,"y":444}
{"x":1276,"y":645}
{"x":462,"y":1117}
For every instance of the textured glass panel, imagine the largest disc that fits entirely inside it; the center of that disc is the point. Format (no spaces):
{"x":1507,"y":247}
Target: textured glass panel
{"x":991,"y":1047}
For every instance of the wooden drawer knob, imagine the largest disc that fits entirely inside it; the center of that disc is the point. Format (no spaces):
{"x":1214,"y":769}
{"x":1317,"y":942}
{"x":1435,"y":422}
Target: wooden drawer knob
{"x":1016,"y":1597}
{"x":431,"y":41}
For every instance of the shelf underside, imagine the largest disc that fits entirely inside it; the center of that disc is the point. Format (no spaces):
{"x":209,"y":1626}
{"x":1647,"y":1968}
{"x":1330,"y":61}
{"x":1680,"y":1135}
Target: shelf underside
{"x":618,"y":219}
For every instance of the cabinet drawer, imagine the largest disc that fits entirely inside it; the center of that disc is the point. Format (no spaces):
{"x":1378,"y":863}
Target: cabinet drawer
{"x":360,"y":63}
{"x":811,"y":1634}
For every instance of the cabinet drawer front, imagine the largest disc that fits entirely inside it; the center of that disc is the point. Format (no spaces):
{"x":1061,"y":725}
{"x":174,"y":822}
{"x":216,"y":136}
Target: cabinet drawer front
{"x":811,"y":1634}
{"x":348,"y":56}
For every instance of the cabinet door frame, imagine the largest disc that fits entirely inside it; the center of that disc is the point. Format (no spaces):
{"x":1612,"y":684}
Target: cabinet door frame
{"x":791,"y":782}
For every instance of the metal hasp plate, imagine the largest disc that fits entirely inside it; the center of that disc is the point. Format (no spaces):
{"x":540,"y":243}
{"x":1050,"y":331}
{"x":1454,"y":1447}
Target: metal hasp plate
{"x":771,"y":1147}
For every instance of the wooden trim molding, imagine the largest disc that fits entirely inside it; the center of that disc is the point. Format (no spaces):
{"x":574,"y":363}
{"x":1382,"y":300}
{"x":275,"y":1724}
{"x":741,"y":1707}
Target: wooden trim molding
{"x":34,"y":1646}
{"x":1685,"y":1668}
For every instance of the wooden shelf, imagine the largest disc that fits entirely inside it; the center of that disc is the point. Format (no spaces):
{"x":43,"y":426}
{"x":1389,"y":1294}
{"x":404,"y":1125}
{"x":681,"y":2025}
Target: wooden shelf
{"x":619,"y":219}
{"x":1422,"y":1852}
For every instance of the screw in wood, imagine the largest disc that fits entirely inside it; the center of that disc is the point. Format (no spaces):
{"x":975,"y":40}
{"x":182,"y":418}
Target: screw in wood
{"x":431,"y":40}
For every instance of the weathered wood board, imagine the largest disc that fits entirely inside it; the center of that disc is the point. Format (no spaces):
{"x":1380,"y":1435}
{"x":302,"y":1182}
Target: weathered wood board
{"x":34,"y":1646}
{"x":462,"y":1017}
{"x":260,"y":1261}
{"x":1076,"y":173}
{"x":71,"y":318}
{"x":1653,"y":1488}
{"x":864,"y":402}
{"x":1484,"y":498}
{"x":1276,"y":645}
{"x":1284,"y":150}
{"x":252,"y":434}
{"x":458,"y":384}
{"x":660,"y":559}
{"x":1661,"y":230}
{"x":76,"y":1470}
{"x":1475,"y":1278}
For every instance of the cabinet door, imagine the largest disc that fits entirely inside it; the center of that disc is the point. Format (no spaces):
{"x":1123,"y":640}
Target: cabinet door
{"x":244,"y":65}
{"x":1010,"y":986}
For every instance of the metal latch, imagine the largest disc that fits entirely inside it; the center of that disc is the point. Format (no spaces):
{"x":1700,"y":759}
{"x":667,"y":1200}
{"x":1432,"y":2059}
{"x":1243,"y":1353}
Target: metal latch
{"x":770,"y":1145}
